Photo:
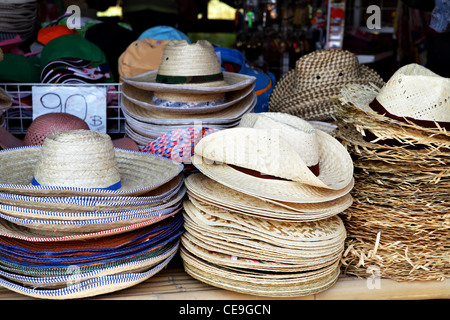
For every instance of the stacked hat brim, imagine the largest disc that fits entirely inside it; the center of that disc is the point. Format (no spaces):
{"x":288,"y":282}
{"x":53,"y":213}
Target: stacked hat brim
{"x":61,"y":242}
{"x":402,"y":180}
{"x":18,"y":18}
{"x":306,"y":91}
{"x":282,"y":238}
{"x":146,"y":121}
{"x":187,"y":89}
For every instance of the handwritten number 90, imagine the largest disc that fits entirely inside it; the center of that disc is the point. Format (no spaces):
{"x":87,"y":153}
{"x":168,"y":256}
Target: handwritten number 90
{"x":75,"y":104}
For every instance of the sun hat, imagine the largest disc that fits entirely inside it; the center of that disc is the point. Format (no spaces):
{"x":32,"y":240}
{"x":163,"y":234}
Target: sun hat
{"x":414,"y":96}
{"x":189,"y":68}
{"x":122,"y":170}
{"x":188,"y":104}
{"x":277,"y":151}
{"x":316,"y":78}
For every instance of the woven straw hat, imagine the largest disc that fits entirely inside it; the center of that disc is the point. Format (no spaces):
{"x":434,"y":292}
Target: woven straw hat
{"x":305,"y":91}
{"x":291,"y":149}
{"x":189,"y":68}
{"x":82,"y":162}
{"x":413,"y":95}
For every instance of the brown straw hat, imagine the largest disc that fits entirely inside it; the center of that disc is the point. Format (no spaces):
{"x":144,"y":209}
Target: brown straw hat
{"x":306,"y":90}
{"x":82,"y":162}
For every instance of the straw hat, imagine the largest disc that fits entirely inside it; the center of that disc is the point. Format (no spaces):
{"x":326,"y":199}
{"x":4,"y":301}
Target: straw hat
{"x":189,"y":68}
{"x":414,"y":96}
{"x":305,"y":90}
{"x":82,"y":162}
{"x":291,"y":149}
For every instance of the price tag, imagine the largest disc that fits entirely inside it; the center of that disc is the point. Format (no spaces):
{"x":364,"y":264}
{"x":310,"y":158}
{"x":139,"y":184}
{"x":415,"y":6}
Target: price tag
{"x":86,"y":102}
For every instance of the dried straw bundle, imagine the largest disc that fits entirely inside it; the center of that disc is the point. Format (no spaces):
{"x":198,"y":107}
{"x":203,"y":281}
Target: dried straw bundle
{"x":398,"y":225}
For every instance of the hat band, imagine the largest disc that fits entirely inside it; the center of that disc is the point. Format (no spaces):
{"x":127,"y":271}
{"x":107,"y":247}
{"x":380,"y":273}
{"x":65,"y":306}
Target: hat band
{"x":314,"y":169}
{"x":189,"y":79}
{"x":376,"y":106}
{"x":176,"y":104}
{"x":114,"y":186}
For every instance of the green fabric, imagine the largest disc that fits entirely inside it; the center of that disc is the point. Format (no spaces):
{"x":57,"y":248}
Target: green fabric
{"x":72,"y":46}
{"x":18,"y":68}
{"x":167,"y":6}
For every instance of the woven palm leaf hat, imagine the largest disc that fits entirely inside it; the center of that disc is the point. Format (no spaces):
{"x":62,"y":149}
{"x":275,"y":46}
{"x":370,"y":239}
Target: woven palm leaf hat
{"x":306,"y":90}
{"x":189,"y":86}
{"x":398,"y":137}
{"x":91,"y":218}
{"x":256,"y":229}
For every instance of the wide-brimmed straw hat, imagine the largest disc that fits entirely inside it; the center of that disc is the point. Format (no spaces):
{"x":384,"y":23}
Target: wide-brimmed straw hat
{"x":413,"y":96}
{"x":189,"y":68}
{"x":82,"y":162}
{"x":306,"y":90}
{"x":269,"y":164}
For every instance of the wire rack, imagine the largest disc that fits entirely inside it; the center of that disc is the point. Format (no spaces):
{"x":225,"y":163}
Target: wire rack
{"x":19,"y":116}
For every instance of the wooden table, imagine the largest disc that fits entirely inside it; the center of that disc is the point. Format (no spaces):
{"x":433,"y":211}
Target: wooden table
{"x":173,"y":283}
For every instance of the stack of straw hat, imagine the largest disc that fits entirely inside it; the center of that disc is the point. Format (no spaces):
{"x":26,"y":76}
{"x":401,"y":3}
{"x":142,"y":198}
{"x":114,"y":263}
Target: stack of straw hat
{"x":18,"y":17}
{"x":398,"y":225}
{"x":306,"y":90}
{"x":261,"y":216}
{"x":188,"y":88}
{"x":80,"y":218}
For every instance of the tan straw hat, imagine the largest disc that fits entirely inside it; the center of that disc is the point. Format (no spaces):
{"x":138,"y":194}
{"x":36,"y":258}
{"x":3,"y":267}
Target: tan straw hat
{"x":306,"y":90}
{"x":189,"y":68}
{"x":413,"y":96}
{"x":82,"y":162}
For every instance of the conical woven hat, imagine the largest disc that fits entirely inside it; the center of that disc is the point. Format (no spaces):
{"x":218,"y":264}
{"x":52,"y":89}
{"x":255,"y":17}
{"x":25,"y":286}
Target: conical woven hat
{"x":270,"y":152}
{"x":82,"y":162}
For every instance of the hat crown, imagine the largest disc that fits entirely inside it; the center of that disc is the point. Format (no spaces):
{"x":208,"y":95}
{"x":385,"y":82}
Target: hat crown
{"x":325,"y":67}
{"x":180,"y":58}
{"x":416,"y":92}
{"x":78,"y":158}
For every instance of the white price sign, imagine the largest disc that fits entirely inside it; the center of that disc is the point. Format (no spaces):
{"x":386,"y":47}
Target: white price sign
{"x":85,"y":102}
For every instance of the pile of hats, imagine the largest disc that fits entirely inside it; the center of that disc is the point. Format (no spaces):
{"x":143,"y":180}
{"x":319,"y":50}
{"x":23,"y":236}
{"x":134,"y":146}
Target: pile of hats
{"x":398,"y":225}
{"x":306,"y":91}
{"x":188,"y":89}
{"x":80,"y":218}
{"x":18,"y":17}
{"x":261,"y":216}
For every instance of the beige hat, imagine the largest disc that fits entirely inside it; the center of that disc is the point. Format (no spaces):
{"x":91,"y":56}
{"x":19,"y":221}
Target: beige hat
{"x":189,"y":68}
{"x":82,"y":162}
{"x":283,"y":146}
{"x":414,"y":95}
{"x":306,"y":90}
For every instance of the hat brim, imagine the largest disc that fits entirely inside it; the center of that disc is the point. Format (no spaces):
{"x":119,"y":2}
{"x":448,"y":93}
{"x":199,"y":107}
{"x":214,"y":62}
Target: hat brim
{"x":230,"y":114}
{"x":147,"y":81}
{"x":281,"y":190}
{"x":143,"y":99}
{"x":140,"y":172}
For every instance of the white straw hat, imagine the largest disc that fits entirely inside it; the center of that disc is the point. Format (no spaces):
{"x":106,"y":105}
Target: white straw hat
{"x":413,"y":96}
{"x":82,"y":162}
{"x":319,"y":160}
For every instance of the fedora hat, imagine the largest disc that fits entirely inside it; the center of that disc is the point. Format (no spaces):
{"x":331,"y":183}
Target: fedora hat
{"x":266,"y":163}
{"x":82,"y":162}
{"x":413,"y":96}
{"x":306,"y":90}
